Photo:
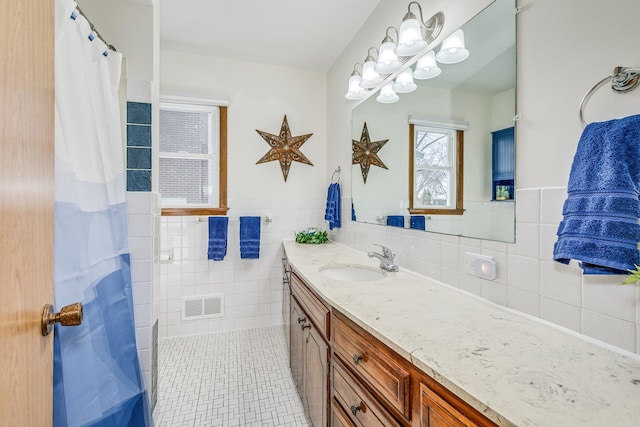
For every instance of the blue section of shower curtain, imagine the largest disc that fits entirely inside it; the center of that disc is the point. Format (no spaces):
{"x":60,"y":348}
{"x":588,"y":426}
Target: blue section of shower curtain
{"x":97,"y":375}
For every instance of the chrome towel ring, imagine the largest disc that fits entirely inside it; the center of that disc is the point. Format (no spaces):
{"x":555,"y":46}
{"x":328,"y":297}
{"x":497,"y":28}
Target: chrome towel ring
{"x":622,"y":80}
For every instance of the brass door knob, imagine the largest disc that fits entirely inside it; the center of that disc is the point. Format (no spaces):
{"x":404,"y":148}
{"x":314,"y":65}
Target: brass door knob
{"x":70,"y":315}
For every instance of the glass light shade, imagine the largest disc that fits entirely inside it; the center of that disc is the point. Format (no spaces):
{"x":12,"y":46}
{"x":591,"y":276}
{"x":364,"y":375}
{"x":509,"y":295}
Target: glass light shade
{"x":370,"y":78}
{"x":387,"y":95}
{"x":404,"y":82}
{"x":410,"y":39}
{"x":427,"y":67}
{"x":388,"y":60}
{"x":355,"y":91}
{"x":452,"y":50}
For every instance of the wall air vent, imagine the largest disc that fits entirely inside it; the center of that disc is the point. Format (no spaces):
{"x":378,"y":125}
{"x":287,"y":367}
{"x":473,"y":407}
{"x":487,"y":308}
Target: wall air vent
{"x":202,"y":307}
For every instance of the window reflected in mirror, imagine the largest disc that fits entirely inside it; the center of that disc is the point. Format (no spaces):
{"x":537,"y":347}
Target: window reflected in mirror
{"x":436,"y":172}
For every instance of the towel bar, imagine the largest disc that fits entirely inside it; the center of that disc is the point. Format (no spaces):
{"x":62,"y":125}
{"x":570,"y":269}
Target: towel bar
{"x":267,"y":218}
{"x":622,"y":80}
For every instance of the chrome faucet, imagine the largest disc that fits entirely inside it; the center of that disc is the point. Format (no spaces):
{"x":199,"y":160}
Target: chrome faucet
{"x":386,"y":258}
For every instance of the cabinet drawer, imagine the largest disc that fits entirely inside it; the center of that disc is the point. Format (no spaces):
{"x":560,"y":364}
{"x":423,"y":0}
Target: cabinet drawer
{"x":434,"y":411}
{"x":338,"y":417}
{"x":376,"y":366}
{"x":311,"y":304}
{"x":361,"y":407}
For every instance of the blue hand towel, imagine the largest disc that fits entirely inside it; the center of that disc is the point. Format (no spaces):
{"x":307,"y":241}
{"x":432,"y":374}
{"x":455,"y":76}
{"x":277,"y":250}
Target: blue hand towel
{"x":353,"y":212}
{"x":395,"y":220}
{"x":418,"y":222}
{"x":250,"y":237}
{"x":332,"y":210}
{"x":600,"y":225}
{"x":218,"y":226}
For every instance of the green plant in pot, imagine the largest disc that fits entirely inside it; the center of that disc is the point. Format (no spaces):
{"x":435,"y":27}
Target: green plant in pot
{"x":312,"y":235}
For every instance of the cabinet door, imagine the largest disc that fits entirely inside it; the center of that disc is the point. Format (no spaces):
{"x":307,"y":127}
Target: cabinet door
{"x":316,"y":378}
{"x":435,"y":412}
{"x":296,"y":353}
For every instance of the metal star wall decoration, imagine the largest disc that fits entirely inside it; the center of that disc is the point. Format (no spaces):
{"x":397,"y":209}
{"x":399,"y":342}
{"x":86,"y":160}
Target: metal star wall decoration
{"x":365,"y":153}
{"x":284,"y":148}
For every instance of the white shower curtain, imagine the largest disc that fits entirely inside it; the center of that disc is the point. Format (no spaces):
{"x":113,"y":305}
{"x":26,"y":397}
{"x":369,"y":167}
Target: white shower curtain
{"x":97,"y":377}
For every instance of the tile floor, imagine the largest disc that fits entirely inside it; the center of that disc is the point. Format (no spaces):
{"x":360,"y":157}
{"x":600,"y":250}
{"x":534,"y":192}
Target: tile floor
{"x":238,"y":378}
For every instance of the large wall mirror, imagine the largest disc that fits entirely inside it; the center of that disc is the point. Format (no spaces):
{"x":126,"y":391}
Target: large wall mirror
{"x":474,"y":98}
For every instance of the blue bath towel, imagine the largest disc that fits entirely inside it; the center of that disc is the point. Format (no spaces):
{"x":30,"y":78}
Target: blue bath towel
{"x":418,"y":222}
{"x":218,"y":226}
{"x":250,"y":237}
{"x":332,"y":210}
{"x":600,"y":226}
{"x":395,"y":220}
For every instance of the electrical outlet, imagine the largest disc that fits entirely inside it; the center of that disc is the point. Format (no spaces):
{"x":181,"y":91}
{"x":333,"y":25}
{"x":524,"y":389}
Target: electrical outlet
{"x":480,"y":265}
{"x":469,"y":262}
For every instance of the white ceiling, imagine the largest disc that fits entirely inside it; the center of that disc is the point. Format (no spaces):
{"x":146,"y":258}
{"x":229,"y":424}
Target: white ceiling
{"x":308,"y":34}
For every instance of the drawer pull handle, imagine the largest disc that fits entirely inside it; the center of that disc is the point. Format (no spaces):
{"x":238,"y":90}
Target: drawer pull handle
{"x":303,"y":327}
{"x":355,"y":409}
{"x":302,"y":320}
{"x":357,"y":358}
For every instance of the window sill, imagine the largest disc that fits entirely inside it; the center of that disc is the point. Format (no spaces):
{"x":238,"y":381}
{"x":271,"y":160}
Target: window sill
{"x":194,"y":211}
{"x":413,"y":211}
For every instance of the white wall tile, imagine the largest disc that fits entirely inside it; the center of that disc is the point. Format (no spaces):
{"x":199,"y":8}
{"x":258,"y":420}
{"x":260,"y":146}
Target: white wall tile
{"x":527,"y":241}
{"x":548,"y":238}
{"x":471,"y":284}
{"x":524,"y":273}
{"x":494,"y":292}
{"x":606,"y":295}
{"x":560,"y":313}
{"x":528,"y":206}
{"x":561,"y":282}
{"x":551,"y":202}
{"x":526,"y":302}
{"x":609,"y":329}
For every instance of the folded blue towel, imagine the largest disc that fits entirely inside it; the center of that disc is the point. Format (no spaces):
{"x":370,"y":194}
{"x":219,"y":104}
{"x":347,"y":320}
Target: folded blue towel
{"x":418,"y":222}
{"x":353,"y":212}
{"x":218,"y":226}
{"x":395,"y":220}
{"x":332,"y":210}
{"x":250,"y":237}
{"x":600,"y":225}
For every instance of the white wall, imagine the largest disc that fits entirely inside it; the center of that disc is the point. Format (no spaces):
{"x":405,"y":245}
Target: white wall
{"x":563,"y":49}
{"x":259,"y":97}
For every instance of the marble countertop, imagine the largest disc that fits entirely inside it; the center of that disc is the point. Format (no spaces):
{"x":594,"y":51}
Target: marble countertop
{"x":515,"y":369}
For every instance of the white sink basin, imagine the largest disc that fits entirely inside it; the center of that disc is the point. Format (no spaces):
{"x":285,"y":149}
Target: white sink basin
{"x":351,"y":273}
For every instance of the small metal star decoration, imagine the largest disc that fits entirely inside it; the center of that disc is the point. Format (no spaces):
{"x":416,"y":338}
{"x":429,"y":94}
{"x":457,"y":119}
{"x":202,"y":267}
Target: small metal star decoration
{"x":284,"y":148}
{"x":365,"y":153}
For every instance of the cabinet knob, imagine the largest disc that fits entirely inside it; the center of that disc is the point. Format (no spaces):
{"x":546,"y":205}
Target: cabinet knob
{"x":357,"y":358}
{"x":355,"y":409}
{"x":301,"y":319}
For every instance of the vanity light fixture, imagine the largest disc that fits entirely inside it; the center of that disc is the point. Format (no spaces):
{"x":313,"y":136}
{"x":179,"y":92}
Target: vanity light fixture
{"x":410,"y":39}
{"x":413,"y":37}
{"x":388,"y":61}
{"x":355,"y":91}
{"x":370,"y":77}
{"x":387,"y":94}
{"x":404,"y":82}
{"x":427,"y":67}
{"x":453,"y":49}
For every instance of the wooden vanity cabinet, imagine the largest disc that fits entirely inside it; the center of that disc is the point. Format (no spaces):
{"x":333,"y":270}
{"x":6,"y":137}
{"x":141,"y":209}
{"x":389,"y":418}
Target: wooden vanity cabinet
{"x":399,"y":393}
{"x":348,"y":378}
{"x":310,"y":353}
